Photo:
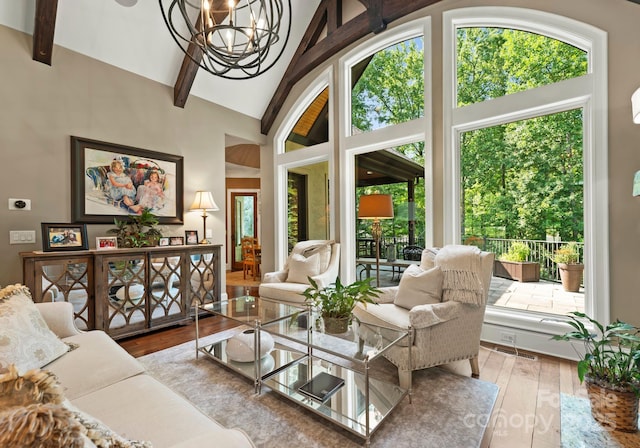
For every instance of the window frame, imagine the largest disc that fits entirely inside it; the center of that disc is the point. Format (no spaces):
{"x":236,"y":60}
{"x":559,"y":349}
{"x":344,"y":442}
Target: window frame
{"x":588,"y":92}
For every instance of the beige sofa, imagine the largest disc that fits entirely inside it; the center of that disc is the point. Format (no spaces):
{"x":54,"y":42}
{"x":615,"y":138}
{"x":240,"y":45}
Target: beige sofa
{"x":103,"y":380}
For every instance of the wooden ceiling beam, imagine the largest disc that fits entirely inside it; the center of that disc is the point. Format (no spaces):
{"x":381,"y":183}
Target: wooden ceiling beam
{"x":379,"y":13}
{"x":44,"y":29}
{"x":191,"y":60}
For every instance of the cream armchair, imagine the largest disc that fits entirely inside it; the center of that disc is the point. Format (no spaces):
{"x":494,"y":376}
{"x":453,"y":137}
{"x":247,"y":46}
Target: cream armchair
{"x":446,"y":330}
{"x":318,"y":259}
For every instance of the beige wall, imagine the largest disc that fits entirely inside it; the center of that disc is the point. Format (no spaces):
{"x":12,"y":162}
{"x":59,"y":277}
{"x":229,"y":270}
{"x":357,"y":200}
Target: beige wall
{"x":42,"y":106}
{"x":619,"y":18}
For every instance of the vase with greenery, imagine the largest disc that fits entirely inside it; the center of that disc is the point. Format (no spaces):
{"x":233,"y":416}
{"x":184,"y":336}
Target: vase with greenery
{"x":336,"y":301}
{"x":610,"y":368}
{"x":567,"y":257}
{"x":513,"y":264}
{"x":137,"y":230}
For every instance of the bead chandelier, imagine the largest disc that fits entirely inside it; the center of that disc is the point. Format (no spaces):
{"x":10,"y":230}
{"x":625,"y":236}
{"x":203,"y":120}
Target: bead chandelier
{"x":234,"y":39}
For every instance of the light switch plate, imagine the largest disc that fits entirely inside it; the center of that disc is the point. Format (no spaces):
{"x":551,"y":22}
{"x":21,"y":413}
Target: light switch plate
{"x":22,"y":236}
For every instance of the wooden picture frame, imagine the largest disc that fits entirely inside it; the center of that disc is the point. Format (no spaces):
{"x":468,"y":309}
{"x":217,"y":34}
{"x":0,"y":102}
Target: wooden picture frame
{"x":106,"y":242}
{"x":176,"y":241}
{"x":191,"y":237}
{"x":64,"y":236}
{"x":112,"y":181}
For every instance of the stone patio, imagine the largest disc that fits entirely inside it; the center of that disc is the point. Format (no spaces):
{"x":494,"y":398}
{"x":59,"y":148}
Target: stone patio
{"x":542,"y":296}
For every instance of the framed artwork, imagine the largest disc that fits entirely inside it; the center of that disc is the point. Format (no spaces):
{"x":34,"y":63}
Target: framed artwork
{"x":106,"y":242}
{"x":111,"y":181}
{"x":164,"y":241}
{"x":176,"y":241}
{"x":60,"y":236}
{"x":191,"y":236}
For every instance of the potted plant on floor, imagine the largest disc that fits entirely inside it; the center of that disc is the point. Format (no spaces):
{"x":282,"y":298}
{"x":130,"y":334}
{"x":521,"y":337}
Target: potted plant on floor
{"x":567,"y":258}
{"x":336,"y":301}
{"x":610,"y":367}
{"x":514,"y":265}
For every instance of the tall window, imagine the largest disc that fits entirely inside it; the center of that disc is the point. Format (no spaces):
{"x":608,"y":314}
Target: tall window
{"x":523,"y":136}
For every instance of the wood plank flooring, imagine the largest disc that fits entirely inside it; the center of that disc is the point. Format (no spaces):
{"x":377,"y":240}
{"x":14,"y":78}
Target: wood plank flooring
{"x":527,"y":410}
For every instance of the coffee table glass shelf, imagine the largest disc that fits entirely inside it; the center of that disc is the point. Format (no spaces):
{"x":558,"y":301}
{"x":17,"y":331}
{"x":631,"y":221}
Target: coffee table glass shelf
{"x":303,"y":351}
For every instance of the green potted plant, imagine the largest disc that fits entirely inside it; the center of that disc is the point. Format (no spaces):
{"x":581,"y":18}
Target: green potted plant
{"x":567,"y":258}
{"x":336,"y":301}
{"x":610,"y":368}
{"x":513,"y":264}
{"x":137,"y":231}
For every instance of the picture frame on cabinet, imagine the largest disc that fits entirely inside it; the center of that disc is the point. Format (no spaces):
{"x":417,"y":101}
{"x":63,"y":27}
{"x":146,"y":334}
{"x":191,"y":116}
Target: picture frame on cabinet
{"x":64,"y":236}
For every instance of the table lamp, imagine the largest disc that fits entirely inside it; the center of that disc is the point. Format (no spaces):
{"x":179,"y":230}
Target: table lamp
{"x":376,"y":207}
{"x":204,"y":201}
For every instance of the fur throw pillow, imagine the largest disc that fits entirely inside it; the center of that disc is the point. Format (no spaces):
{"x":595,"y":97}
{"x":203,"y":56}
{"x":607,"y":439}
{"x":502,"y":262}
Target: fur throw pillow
{"x":34,"y":413}
{"x":31,"y":413}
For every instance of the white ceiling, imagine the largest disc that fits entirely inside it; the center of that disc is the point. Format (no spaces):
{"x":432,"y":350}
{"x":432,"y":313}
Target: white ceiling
{"x":136,"y":39}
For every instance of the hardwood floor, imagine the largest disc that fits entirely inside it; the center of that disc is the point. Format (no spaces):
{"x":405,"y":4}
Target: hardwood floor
{"x":527,"y":410}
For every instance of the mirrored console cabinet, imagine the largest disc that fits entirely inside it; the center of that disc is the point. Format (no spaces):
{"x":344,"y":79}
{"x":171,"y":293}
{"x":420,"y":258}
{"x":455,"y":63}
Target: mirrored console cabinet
{"x":127,"y":291}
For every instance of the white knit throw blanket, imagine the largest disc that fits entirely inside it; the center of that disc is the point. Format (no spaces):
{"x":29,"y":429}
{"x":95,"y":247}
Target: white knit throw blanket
{"x":462,"y":269}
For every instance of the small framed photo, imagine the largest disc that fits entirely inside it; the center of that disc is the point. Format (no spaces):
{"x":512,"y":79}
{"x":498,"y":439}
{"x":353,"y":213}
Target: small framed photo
{"x":191,"y":236}
{"x":60,"y":236}
{"x":176,"y":241}
{"x":164,"y":241}
{"x":106,"y":242}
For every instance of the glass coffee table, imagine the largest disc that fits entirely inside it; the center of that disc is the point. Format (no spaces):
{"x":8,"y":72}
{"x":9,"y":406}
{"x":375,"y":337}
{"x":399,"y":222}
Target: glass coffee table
{"x":329,"y":374}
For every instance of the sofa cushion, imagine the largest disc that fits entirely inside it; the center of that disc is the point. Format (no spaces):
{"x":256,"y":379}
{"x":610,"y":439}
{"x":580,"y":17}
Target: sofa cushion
{"x":419,"y":287}
{"x":428,"y":258}
{"x":324,"y":251}
{"x":301,"y":267}
{"x":143,"y":408}
{"x":96,"y":363}
{"x":25,"y":339}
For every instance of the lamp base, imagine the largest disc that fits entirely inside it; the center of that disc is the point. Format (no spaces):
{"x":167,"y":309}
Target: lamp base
{"x":205,"y":241}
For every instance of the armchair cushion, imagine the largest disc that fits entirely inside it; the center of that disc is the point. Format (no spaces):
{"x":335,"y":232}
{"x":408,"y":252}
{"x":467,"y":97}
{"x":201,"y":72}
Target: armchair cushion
{"x":301,"y":267}
{"x":419,"y":287}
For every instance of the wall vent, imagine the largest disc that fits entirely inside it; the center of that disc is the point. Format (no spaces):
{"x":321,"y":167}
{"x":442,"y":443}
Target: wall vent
{"x":515,"y":352}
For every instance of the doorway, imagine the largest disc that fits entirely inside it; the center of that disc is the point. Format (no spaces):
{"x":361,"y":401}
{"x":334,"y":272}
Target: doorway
{"x":244,"y":222}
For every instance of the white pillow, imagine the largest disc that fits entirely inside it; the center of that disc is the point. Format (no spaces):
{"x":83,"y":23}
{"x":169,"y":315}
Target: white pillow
{"x":428,"y":258}
{"x":25,"y":339}
{"x":419,"y":287}
{"x":325,"y":255}
{"x":301,"y":267}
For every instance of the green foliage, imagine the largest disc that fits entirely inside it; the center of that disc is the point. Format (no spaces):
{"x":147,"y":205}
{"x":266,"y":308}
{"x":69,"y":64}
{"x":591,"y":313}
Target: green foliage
{"x":518,"y":251}
{"x":567,"y":254}
{"x":338,"y":300}
{"x":137,"y":230}
{"x":612,"y":355}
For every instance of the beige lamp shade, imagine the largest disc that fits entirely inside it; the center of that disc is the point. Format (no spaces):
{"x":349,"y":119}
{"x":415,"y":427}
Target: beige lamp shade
{"x":635,"y":106}
{"x":375,"y":206}
{"x":204,"y":201}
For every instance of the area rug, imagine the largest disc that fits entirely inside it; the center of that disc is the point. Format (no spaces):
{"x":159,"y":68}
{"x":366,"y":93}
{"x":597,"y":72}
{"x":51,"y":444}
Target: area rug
{"x":580,"y":430}
{"x":447,"y":410}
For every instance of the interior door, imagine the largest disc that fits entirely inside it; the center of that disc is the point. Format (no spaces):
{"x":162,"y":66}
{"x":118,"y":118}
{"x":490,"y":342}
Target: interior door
{"x":244,"y":222}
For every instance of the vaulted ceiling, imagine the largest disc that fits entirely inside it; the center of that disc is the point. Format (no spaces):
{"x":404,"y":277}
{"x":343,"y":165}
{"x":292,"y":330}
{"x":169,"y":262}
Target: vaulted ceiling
{"x":135,"y":38}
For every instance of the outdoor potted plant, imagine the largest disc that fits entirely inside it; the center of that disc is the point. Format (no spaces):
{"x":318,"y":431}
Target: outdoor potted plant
{"x":610,"y":368}
{"x":514,"y":265}
{"x":336,"y":301}
{"x":567,"y":258}
{"x":137,"y":231}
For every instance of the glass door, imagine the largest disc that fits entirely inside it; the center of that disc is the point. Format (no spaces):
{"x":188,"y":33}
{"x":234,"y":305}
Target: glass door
{"x":244,"y":222}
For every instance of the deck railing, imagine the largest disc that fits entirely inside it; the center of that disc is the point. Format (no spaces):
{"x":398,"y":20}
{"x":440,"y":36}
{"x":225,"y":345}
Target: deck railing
{"x":541,"y":252}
